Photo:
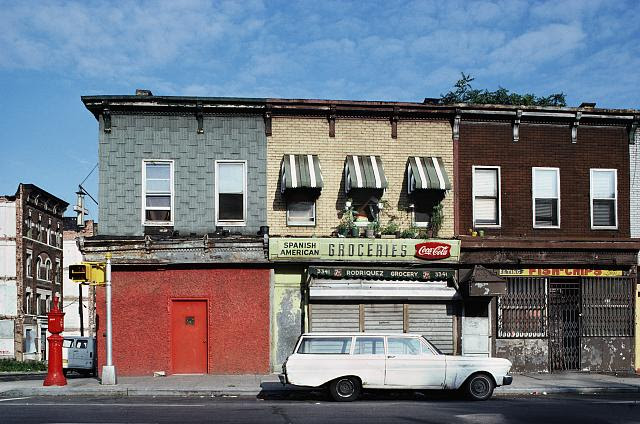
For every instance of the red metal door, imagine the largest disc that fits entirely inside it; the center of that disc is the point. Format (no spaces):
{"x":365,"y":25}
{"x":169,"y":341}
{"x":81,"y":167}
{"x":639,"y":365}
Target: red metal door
{"x":189,"y":336}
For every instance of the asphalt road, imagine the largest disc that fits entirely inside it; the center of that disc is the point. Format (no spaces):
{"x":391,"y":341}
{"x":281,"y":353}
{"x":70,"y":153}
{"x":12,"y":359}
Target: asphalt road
{"x":374,"y":408}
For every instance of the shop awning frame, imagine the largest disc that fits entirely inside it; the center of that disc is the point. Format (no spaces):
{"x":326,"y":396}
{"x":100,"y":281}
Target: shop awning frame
{"x":364,"y":172}
{"x":300,"y":172}
{"x":351,"y":289}
{"x":427,"y":173}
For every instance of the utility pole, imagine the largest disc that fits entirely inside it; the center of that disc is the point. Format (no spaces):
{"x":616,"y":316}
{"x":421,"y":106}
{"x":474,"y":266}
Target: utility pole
{"x":80,"y":311}
{"x":109,"y":370}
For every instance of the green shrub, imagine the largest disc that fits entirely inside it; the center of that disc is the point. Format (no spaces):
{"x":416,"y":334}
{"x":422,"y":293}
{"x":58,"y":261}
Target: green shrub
{"x":13,"y":365}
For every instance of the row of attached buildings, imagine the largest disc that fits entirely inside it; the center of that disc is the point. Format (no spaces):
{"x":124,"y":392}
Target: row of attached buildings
{"x":235,"y":225}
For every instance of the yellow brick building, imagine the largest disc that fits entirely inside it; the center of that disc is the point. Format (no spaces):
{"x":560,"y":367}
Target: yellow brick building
{"x":355,"y":136}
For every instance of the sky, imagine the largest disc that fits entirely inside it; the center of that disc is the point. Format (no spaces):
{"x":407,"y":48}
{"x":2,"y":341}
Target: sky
{"x":53,"y":52}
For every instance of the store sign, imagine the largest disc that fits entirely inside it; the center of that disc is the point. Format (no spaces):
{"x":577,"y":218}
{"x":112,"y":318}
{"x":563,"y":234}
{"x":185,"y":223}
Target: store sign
{"x":560,"y":272}
{"x":361,"y":249}
{"x":383,"y":273}
{"x":433,"y":250}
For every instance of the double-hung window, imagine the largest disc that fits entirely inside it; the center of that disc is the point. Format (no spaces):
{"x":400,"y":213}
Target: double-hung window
{"x":486,"y":196}
{"x":546,"y":197}
{"x":231,"y":193}
{"x":604,"y":198}
{"x":157,"y":192}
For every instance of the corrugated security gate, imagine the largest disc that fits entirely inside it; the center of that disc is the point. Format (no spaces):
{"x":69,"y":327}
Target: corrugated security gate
{"x":565,"y":310}
{"x":433,"y":320}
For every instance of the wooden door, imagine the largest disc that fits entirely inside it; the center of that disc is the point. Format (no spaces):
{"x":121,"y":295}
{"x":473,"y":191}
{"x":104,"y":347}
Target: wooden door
{"x":189,"y":336}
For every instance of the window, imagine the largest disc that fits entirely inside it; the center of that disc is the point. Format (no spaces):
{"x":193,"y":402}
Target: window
{"x":39,"y":308}
{"x":403,"y":346}
{"x":369,"y":346}
{"x":325,"y":345}
{"x":365,"y":206}
{"x":47,"y":266}
{"x":27,"y":303}
{"x":28,"y":263}
{"x":67,"y":343}
{"x":231,"y":189}
{"x":486,"y":196}
{"x":522,"y":311}
{"x":58,"y":272}
{"x":29,"y":224}
{"x":546,"y":197}
{"x":604,"y":198}
{"x":301,"y":212}
{"x":40,"y":271}
{"x":157,"y":199}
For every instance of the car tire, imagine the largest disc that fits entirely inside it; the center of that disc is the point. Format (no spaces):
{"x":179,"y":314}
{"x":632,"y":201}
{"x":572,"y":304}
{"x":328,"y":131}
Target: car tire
{"x":345,"y":389}
{"x":479,"y":387}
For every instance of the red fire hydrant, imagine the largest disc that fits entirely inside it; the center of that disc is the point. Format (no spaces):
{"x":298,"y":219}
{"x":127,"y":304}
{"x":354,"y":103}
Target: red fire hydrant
{"x":55,"y":377}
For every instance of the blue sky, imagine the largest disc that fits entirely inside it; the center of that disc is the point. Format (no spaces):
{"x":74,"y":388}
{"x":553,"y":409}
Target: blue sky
{"x":53,"y":52}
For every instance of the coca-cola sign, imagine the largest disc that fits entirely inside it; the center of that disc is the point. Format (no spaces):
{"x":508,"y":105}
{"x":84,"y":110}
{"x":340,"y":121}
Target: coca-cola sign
{"x":433,"y":250}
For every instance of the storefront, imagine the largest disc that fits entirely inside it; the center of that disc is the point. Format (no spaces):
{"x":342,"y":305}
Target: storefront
{"x":361,"y":284}
{"x":566,"y":308}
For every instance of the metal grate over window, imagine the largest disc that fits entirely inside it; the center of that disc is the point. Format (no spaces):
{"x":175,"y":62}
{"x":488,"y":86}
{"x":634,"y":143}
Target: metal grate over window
{"x":607,"y":307}
{"x":522,"y":312}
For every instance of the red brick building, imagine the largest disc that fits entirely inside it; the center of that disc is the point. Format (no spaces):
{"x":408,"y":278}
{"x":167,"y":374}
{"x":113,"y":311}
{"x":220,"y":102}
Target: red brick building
{"x":543,"y":214}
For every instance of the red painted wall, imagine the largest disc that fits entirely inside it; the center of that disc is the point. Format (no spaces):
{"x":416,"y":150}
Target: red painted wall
{"x":238,"y":318}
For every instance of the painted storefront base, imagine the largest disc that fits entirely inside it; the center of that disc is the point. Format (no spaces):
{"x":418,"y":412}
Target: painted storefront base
{"x":187,"y":321}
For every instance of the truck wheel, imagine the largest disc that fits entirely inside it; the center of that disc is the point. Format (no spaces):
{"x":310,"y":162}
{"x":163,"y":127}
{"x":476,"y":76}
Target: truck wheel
{"x":345,"y":389}
{"x":479,"y":387}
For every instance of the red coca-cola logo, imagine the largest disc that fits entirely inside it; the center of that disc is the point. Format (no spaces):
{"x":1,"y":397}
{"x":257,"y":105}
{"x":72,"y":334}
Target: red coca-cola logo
{"x":433,"y":250}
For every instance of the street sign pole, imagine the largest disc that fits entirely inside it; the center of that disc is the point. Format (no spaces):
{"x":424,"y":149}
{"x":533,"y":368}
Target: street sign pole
{"x":109,"y":370}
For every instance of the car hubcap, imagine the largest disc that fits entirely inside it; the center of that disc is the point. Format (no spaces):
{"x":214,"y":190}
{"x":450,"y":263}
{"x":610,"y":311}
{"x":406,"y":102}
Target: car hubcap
{"x":345,"y":388}
{"x":479,"y":387}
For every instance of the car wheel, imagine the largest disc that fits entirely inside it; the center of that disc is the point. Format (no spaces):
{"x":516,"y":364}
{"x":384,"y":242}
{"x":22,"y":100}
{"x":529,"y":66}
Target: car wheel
{"x":345,"y":389}
{"x":479,"y":387}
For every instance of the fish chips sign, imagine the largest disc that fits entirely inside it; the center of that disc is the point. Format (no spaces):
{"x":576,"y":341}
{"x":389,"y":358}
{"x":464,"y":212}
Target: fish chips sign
{"x":362,"y":249}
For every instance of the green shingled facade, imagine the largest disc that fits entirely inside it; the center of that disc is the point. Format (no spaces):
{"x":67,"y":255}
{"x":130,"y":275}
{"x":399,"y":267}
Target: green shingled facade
{"x":136,"y":137}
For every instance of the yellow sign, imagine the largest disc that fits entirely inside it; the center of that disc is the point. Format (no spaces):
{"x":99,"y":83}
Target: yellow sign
{"x":560,"y":272}
{"x":92,"y":272}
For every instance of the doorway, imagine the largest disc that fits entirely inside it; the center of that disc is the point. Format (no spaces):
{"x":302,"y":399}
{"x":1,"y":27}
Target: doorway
{"x":189,"y":336}
{"x":564,"y":324}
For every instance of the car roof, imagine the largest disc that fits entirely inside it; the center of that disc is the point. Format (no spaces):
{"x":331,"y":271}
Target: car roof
{"x":367,"y":334}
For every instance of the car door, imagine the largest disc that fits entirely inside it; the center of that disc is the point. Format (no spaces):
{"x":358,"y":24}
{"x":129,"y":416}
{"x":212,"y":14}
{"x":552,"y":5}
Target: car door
{"x":368,"y":360}
{"x":410,"y":363}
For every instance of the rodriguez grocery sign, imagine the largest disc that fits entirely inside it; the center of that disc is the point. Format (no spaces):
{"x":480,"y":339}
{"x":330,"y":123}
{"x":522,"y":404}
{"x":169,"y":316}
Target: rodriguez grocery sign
{"x":357,"y":249}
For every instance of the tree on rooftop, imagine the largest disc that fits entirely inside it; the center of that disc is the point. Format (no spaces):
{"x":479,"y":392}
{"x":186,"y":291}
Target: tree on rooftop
{"x":464,"y":93}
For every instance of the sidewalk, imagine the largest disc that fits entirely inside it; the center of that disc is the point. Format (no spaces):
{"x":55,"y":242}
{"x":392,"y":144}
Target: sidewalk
{"x":252,"y":385}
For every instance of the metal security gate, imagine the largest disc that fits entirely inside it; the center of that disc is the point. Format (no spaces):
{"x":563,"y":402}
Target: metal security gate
{"x":564,"y":324}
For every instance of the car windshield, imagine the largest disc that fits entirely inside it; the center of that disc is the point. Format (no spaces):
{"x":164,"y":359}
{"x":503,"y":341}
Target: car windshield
{"x":432,"y":346}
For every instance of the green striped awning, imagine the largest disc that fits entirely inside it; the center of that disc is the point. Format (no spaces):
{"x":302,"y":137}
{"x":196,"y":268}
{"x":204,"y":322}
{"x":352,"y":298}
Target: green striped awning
{"x":427,"y":173}
{"x":364,"y":172}
{"x":300,"y":171}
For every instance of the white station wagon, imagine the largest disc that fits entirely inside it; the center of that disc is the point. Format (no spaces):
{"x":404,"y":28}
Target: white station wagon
{"x":348,"y":362}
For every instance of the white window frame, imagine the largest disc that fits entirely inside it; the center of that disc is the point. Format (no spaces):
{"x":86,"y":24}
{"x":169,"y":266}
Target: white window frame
{"x":533,"y":197}
{"x":615,"y":199}
{"x":57,"y":273}
{"x":299,"y":224}
{"x":48,"y":266}
{"x":473,"y":196}
{"x":234,"y":223}
{"x":28,"y":269}
{"x":144,"y":193}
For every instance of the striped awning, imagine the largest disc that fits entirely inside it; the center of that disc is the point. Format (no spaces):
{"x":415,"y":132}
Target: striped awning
{"x":300,"y":171}
{"x":427,"y":173}
{"x":364,"y":172}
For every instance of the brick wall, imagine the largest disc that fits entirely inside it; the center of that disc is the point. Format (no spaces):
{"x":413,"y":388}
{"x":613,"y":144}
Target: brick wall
{"x":634,"y":155}
{"x":484,"y":143}
{"x":310,"y":135}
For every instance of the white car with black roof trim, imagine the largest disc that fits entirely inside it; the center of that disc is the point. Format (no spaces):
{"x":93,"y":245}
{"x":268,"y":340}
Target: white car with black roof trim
{"x":348,"y":362}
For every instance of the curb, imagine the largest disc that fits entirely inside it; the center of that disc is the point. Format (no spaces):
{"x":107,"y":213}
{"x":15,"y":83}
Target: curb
{"x":123,"y":392}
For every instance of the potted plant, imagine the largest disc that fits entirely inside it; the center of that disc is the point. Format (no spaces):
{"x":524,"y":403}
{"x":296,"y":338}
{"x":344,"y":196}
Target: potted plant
{"x":411,"y":232}
{"x":435,"y":223}
{"x":372,"y":229}
{"x":346,"y":225}
{"x":391,"y":230}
